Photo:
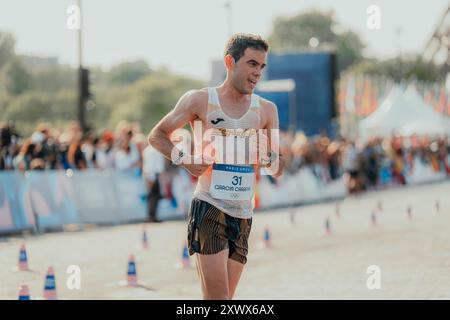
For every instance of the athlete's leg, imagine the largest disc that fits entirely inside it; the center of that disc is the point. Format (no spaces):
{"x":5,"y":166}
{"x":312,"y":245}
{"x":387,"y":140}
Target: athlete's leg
{"x":234,"y":274}
{"x":214,"y":275}
{"x":199,"y":273}
{"x":239,"y":232}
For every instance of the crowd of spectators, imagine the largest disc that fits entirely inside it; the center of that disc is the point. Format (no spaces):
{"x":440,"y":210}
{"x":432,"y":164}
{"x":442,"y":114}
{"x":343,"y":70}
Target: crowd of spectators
{"x":49,"y":149}
{"x":375,"y":163}
{"x":371,"y":164}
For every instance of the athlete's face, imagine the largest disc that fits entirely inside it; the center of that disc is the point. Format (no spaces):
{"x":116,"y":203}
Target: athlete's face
{"x":246,"y":73}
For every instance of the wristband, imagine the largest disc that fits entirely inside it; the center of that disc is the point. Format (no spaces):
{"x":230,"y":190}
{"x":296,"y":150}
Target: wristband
{"x":179,"y":159}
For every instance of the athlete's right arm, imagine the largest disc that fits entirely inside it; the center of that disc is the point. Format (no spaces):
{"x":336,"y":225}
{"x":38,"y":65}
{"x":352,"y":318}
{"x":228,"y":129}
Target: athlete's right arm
{"x":188,"y":108}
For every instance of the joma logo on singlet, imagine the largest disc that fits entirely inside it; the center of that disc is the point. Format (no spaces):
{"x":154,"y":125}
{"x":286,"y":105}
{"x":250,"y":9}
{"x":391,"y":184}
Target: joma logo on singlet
{"x":217,"y":121}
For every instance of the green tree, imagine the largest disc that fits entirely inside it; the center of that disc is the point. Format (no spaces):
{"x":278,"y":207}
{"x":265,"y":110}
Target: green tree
{"x":293,"y":33}
{"x":18,"y":79}
{"x":149,"y":99}
{"x":32,"y":93}
{"x":7,"y":44}
{"x":32,"y":107}
{"x":405,"y":68}
{"x":27,"y":110}
{"x":128,"y":72}
{"x":53,"y":78}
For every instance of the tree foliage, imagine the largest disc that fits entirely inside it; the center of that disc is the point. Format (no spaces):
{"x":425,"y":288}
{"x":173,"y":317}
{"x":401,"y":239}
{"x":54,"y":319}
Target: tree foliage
{"x":404,"y":68}
{"x":296,"y":32}
{"x":17,"y":77}
{"x":128,"y":72}
{"x":7,"y":43}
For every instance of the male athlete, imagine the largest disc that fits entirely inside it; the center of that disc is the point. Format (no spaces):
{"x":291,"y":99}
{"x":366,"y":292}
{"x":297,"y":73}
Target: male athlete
{"x":220,"y":215}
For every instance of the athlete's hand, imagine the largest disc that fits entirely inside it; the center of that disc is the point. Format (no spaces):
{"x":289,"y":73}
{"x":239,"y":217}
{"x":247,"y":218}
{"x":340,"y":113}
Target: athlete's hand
{"x":198,"y":169}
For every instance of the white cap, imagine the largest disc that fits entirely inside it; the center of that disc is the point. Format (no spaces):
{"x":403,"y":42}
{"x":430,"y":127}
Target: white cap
{"x":37,"y":137}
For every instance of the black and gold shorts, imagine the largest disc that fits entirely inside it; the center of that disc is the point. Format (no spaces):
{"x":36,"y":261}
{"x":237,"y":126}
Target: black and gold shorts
{"x":211,"y":231}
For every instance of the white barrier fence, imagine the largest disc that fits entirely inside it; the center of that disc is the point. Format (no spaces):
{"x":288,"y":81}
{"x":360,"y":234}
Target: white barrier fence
{"x":41,"y":200}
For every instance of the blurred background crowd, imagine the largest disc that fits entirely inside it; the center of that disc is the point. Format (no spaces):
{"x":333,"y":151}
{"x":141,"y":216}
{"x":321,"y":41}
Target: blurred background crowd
{"x":376,"y":163}
{"x":49,"y":149}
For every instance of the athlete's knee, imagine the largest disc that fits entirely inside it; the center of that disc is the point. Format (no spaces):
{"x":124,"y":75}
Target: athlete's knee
{"x":216,"y":289}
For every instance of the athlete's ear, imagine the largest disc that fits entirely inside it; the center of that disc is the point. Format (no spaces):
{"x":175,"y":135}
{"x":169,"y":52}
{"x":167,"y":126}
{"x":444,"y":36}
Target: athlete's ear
{"x":229,"y":61}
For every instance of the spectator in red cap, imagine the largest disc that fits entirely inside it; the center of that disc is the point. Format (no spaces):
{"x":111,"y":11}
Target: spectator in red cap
{"x":104,"y":154}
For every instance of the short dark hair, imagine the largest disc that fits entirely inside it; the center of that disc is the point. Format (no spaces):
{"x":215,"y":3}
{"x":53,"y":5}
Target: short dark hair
{"x":239,"y":42}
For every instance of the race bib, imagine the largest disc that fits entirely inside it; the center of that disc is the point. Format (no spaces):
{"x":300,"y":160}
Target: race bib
{"x":232,"y":182}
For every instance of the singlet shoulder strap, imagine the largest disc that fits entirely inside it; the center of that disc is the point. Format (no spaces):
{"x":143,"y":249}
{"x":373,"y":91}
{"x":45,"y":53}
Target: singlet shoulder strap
{"x":255,"y":101}
{"x":212,"y":96}
{"x":213,"y":100}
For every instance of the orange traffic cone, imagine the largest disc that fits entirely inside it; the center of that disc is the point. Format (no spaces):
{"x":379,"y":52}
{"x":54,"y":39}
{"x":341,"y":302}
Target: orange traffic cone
{"x":131,"y":272}
{"x":23,"y":259}
{"x":292,"y":215}
{"x":185,"y":261}
{"x":409,"y":212}
{"x":266,"y":238}
{"x":50,"y":285}
{"x":144,"y":239}
{"x":24,"y":292}
{"x":327,"y":226}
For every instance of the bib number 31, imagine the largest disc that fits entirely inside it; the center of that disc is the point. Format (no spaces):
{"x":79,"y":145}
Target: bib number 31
{"x":232,"y":182}
{"x":237,"y":180}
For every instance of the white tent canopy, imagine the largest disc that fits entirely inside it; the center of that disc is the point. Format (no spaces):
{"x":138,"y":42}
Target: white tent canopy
{"x":424,"y":128}
{"x":429,"y":122}
{"x":378,"y":119}
{"x":406,"y":113}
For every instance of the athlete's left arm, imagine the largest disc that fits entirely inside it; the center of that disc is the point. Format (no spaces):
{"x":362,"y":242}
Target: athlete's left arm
{"x":276,"y":167}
